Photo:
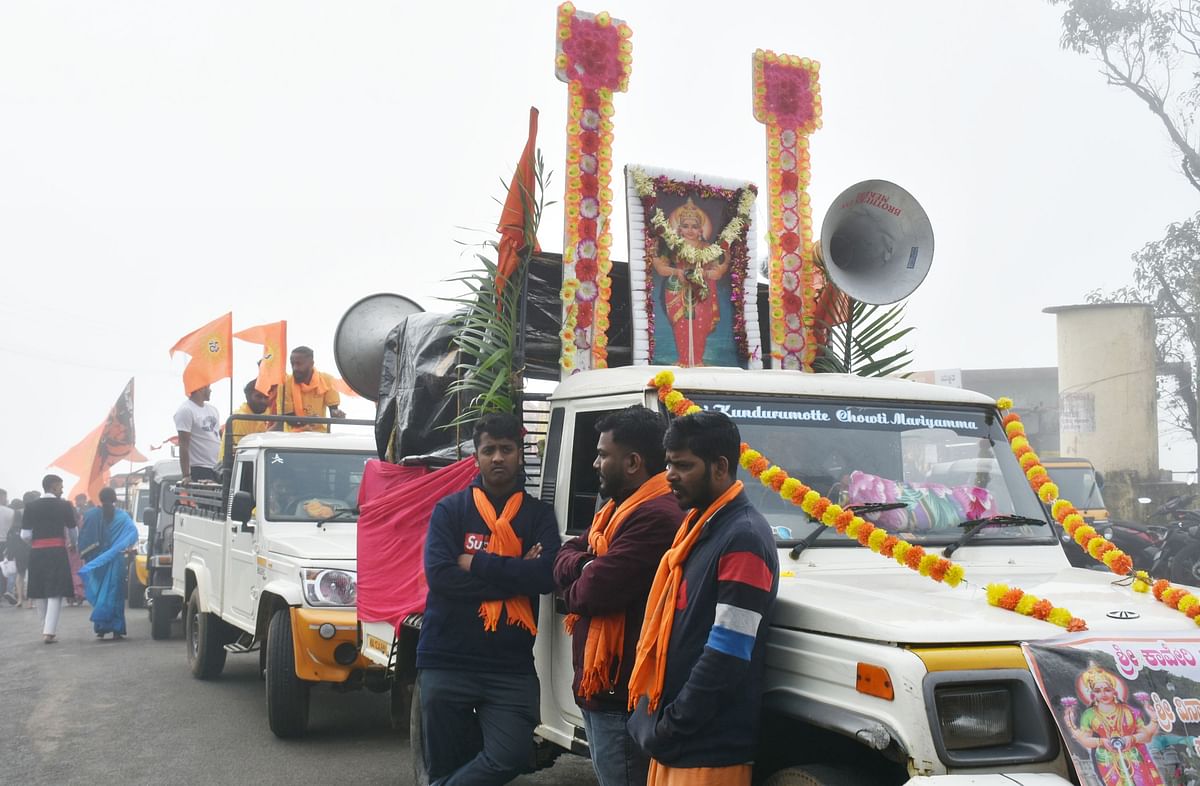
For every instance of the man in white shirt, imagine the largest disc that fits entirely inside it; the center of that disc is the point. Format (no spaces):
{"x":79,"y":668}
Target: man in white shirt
{"x":7,"y":515}
{"x":199,"y":426}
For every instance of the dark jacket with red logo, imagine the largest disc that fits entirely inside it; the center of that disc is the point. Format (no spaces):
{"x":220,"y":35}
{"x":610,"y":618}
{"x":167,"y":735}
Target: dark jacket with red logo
{"x":452,"y":634}
{"x":712,"y":690}
{"x":619,"y":581}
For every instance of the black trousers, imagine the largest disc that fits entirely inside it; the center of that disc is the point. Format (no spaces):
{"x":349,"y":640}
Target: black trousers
{"x":477,"y":726}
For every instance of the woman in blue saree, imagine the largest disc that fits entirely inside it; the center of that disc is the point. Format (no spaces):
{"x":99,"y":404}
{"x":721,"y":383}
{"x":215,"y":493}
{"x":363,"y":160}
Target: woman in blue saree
{"x":104,"y":575}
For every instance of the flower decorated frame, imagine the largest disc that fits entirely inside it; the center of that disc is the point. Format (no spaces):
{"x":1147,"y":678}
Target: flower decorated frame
{"x":648,"y":189}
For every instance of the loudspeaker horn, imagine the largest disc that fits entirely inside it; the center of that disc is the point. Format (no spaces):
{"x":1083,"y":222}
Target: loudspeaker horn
{"x":361,"y":337}
{"x":876,"y":242}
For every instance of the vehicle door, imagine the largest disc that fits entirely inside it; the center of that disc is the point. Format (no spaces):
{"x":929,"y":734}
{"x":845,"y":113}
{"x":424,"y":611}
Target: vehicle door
{"x":576,"y":497}
{"x":240,"y":597}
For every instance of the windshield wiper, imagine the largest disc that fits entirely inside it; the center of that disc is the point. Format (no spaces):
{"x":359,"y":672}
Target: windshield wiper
{"x":977,"y":525}
{"x":337,"y":513}
{"x":865,"y":508}
{"x":877,"y":507}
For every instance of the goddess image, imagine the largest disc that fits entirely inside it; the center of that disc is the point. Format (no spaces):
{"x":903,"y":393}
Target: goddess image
{"x":1114,"y":732}
{"x":691,"y":269}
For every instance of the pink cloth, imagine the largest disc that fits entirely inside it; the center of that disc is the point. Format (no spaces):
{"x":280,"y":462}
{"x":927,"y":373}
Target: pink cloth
{"x":393,"y":519}
{"x":76,"y":564}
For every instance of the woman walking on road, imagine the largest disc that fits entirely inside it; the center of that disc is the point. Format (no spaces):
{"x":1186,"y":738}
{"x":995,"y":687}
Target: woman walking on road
{"x":44,"y":527}
{"x":104,"y":574}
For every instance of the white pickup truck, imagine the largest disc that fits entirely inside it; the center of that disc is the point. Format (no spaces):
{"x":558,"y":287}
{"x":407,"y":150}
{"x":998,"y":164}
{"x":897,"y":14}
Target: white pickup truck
{"x":871,"y":667}
{"x":267,"y":562}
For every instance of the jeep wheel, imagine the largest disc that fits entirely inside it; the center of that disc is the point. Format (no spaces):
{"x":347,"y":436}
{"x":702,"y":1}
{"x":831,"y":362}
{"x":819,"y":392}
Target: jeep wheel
{"x":1185,"y":566}
{"x":287,"y":694}
{"x":162,"y":614}
{"x":205,"y":648}
{"x":820,"y":775}
{"x":401,"y":696}
{"x":136,"y":589}
{"x":416,"y":739}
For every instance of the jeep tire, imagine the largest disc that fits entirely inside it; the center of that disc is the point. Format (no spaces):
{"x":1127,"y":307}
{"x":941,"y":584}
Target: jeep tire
{"x":416,"y":739}
{"x":162,"y":615}
{"x":820,"y":775}
{"x":205,"y":644}
{"x":287,"y":694}
{"x":135,"y":589}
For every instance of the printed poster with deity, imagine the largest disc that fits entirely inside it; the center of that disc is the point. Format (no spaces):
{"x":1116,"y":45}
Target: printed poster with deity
{"x":1128,"y":709}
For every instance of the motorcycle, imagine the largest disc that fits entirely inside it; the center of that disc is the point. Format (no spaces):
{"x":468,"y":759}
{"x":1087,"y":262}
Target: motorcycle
{"x":1169,"y":550}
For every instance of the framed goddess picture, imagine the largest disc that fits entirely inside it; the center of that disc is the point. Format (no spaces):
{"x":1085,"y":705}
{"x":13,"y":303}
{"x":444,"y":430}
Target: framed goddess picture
{"x":694,"y":288}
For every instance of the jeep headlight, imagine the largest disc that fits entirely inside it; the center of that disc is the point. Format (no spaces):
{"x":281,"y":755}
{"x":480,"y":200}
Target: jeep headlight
{"x":329,"y":587}
{"x":974,"y":717}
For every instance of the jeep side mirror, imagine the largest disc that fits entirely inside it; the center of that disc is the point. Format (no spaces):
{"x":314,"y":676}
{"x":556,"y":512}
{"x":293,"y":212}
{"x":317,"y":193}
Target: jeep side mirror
{"x":1100,"y":480}
{"x":150,"y":517}
{"x":242,"y":507}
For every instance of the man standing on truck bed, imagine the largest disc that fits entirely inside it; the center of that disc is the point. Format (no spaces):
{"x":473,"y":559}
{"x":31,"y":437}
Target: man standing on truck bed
{"x":605,"y":575}
{"x":489,"y":554}
{"x":308,"y":393}
{"x":199,"y":427}
{"x":255,"y":404}
{"x":697,"y":683}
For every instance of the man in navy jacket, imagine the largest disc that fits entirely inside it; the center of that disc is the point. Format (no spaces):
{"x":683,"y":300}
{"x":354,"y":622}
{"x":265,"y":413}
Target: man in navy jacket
{"x":479,"y":691}
{"x":706,"y":718}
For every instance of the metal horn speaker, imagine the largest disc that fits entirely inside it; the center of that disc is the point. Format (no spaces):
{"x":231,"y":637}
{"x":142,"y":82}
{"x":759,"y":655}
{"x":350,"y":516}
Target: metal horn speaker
{"x":361,"y":337}
{"x":876,"y":242}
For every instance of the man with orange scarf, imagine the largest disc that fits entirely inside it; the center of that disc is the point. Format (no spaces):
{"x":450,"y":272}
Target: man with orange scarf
{"x":696,"y":686}
{"x":489,"y":554}
{"x":308,"y":393}
{"x":604,"y":576}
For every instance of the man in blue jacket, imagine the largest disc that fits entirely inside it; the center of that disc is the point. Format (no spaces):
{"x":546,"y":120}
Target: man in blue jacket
{"x":489,"y":554}
{"x":697,"y":683}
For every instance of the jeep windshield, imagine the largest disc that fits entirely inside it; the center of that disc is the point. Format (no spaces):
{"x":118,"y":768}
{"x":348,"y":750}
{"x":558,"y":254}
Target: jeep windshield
{"x":1077,"y":484}
{"x":924,"y":468}
{"x":309,"y":485}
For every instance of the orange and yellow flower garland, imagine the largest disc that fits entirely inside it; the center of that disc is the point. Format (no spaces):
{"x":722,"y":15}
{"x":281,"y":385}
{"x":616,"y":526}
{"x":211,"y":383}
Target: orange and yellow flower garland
{"x":1091,"y":541}
{"x":825,"y":511}
{"x":787,"y":99}
{"x":594,"y":58}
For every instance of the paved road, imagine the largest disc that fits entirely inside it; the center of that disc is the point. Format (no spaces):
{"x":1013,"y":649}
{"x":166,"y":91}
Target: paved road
{"x":91,"y":711}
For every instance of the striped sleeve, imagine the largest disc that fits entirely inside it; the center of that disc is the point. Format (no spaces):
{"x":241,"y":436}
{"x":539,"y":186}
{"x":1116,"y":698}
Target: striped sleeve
{"x":744,"y":583}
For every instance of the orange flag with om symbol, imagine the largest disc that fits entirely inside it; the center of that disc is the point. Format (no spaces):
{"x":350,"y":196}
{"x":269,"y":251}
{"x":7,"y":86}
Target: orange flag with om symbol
{"x":211,"y":351}
{"x":112,"y":441}
{"x":272,"y":367}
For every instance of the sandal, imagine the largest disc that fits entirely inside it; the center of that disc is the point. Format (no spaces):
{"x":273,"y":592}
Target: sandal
{"x":48,"y":638}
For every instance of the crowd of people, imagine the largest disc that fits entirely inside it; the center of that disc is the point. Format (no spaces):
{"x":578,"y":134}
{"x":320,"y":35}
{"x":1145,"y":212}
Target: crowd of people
{"x":55,"y":552}
{"x":667,"y":593}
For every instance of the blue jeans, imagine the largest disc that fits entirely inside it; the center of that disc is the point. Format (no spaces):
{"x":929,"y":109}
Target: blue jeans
{"x":477,"y":727}
{"x":615,"y":758}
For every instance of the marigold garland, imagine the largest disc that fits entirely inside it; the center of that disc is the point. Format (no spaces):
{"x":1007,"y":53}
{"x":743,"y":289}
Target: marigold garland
{"x":1096,"y":545}
{"x":878,"y":540}
{"x":594,"y":58}
{"x":1015,"y":599}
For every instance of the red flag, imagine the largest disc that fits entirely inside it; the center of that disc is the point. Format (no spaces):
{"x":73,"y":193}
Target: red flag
{"x":211,"y":352}
{"x":112,"y":441}
{"x":516,"y":210}
{"x":272,"y":368}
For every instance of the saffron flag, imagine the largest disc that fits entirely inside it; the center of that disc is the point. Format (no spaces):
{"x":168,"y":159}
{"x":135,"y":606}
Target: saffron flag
{"x":272,"y":367}
{"x":112,"y":441}
{"x":517,"y":210}
{"x":344,"y":388}
{"x":211,"y":352}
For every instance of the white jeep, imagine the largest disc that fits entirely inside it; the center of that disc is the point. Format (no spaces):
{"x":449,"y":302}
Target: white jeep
{"x":266,"y":562}
{"x":875,"y":674}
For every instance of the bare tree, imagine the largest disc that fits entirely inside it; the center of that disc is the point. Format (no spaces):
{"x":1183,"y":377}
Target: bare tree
{"x":1152,"y":49}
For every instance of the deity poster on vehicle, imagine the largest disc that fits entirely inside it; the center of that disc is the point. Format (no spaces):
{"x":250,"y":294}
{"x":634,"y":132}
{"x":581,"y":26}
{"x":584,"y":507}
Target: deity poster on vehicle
{"x":1128,"y":708}
{"x":694,"y":287}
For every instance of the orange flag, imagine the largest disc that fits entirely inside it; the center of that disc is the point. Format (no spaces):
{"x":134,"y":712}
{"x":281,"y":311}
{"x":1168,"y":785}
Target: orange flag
{"x":211,"y":352}
{"x":272,"y":368}
{"x":112,"y":441}
{"x":344,"y":388}
{"x":517,"y":208}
